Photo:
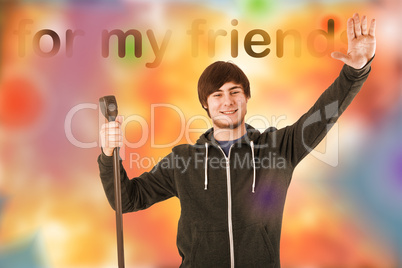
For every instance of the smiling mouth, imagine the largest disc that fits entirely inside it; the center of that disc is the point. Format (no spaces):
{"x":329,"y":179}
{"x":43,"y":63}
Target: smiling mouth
{"x":229,"y":112}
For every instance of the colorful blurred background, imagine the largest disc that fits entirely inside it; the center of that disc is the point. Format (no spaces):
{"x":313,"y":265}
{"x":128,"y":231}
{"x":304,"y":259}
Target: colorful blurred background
{"x":53,"y":211}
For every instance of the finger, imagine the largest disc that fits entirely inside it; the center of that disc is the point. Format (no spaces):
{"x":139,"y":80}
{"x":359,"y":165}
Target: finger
{"x":356,"y":21}
{"x":364,"y":25}
{"x":116,"y":144}
{"x":350,"y":31}
{"x":111,"y":141}
{"x":110,"y":132}
{"x":113,"y":131}
{"x":105,"y":125}
{"x":340,"y":56}
{"x":112,"y":144}
{"x":114,"y":124}
{"x":372,"y":27}
{"x":119,"y":119}
{"x":114,"y":138}
{"x":111,"y":125}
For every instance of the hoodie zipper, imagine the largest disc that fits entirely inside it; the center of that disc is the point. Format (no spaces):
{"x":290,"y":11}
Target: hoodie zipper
{"x":230,"y":221}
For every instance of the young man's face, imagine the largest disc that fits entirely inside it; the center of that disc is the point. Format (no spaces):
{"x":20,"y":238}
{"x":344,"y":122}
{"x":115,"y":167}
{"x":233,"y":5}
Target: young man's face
{"x":227,"y":106}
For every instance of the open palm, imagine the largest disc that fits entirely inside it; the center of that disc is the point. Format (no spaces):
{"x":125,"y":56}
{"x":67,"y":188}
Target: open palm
{"x":361,"y":42}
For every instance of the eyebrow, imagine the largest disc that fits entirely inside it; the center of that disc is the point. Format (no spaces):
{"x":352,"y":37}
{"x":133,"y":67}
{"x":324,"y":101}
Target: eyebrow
{"x":234,"y":87}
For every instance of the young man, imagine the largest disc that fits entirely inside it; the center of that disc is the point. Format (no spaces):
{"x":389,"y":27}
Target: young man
{"x":231,"y":202}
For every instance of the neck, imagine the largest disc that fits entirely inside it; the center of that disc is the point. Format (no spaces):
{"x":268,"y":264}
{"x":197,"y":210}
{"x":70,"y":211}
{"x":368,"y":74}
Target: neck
{"x":228,"y":134}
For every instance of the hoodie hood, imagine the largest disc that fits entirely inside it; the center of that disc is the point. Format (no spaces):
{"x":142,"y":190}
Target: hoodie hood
{"x":208,"y":136}
{"x":207,"y":139}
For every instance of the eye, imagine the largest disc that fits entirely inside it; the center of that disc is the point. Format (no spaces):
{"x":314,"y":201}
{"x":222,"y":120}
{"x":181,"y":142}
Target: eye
{"x":235,"y":92}
{"x":216,"y":95}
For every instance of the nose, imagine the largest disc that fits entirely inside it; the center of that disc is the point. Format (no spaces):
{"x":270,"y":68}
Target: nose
{"x":228,"y":100}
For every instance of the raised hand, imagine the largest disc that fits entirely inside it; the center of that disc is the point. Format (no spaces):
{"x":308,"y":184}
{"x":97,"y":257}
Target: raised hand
{"x":361,"y":42}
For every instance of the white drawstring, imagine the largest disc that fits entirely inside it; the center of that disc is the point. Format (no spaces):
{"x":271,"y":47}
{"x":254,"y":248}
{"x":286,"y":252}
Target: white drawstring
{"x":206,"y":166}
{"x":252,"y":156}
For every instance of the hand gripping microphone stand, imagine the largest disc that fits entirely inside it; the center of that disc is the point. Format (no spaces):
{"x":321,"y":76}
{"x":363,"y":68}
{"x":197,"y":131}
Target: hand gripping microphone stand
{"x":108,"y":107}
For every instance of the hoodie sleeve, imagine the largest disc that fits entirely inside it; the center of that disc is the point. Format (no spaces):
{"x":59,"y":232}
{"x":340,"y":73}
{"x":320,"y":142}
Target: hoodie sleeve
{"x":140,"y":192}
{"x":299,"y":139}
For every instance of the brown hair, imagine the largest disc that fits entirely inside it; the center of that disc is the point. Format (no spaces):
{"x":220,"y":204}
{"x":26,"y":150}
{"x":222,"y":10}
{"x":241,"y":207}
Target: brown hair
{"x":216,"y":75}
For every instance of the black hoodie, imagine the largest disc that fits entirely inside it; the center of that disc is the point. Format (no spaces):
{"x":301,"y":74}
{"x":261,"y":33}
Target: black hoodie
{"x":232,"y":207}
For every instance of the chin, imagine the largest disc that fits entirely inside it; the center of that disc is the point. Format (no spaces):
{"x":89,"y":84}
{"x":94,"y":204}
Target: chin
{"x":224,"y":124}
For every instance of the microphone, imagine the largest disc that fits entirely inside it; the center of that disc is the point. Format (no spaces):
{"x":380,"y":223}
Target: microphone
{"x":108,"y":107}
